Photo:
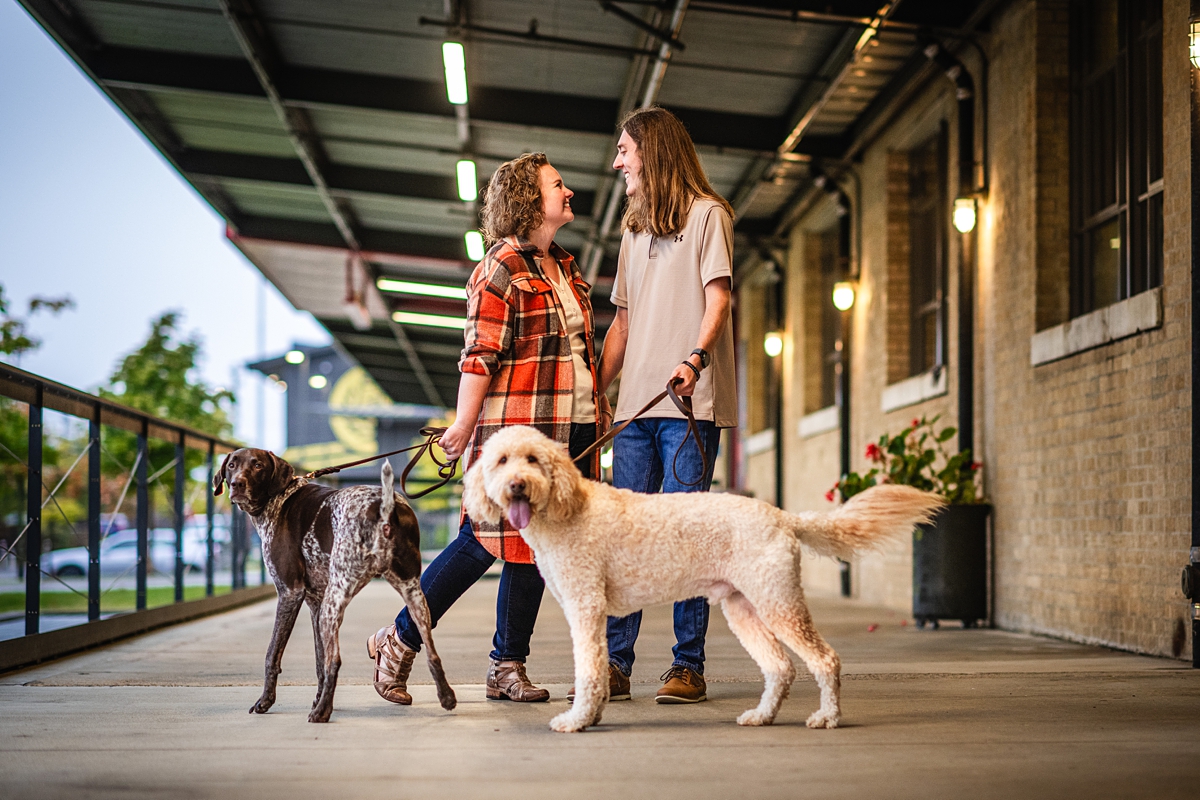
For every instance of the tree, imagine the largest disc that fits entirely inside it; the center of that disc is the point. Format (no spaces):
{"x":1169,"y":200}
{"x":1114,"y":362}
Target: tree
{"x":160,"y":378}
{"x":16,"y":340}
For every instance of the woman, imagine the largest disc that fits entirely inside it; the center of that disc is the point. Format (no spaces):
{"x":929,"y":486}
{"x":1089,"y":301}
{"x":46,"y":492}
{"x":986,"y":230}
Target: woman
{"x":528,"y":360}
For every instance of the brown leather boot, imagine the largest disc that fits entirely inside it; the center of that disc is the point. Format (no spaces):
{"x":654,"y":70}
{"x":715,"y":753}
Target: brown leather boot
{"x":393,"y":663}
{"x":506,"y":680}
{"x":618,"y":686}
{"x":682,"y":685}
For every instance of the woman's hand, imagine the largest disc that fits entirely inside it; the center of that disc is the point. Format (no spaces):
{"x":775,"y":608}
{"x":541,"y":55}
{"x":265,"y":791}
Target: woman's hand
{"x":455,"y":440}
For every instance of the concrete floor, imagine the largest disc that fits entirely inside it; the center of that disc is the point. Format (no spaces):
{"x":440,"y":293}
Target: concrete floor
{"x":927,"y":714}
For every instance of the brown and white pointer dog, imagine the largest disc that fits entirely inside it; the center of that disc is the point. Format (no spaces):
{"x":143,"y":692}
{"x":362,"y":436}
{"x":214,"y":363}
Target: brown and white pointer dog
{"x":321,"y":546}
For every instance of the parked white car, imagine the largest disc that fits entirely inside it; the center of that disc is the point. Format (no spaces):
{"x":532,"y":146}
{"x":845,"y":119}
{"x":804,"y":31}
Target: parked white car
{"x":118,"y":552}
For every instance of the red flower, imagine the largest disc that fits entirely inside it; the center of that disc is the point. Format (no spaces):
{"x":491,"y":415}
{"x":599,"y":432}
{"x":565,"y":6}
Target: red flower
{"x":829,"y":494}
{"x":975,"y":465}
{"x":916,"y":423}
{"x":873,"y":452}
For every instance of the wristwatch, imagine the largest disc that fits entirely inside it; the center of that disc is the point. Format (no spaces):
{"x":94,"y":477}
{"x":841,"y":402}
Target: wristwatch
{"x":704,"y":359}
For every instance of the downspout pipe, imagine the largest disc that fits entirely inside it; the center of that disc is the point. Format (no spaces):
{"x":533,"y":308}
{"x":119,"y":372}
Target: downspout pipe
{"x":964,"y":91}
{"x":1191,"y":572}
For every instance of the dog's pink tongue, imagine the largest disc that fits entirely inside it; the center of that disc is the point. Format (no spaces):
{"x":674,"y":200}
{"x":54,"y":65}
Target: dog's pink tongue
{"x":518,"y":514}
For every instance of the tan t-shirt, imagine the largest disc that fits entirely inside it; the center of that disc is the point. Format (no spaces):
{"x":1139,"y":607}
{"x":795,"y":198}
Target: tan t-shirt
{"x":661,"y":283}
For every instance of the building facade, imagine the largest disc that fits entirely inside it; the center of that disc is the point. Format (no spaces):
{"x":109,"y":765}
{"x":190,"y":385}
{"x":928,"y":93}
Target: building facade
{"x":1065,"y":310}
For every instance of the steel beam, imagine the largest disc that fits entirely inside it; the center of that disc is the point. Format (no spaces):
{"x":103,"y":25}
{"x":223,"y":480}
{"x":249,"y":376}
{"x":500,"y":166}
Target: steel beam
{"x":180,"y":472}
{"x":117,"y":67}
{"x":94,"y":509}
{"x":143,"y":512}
{"x":254,"y":40}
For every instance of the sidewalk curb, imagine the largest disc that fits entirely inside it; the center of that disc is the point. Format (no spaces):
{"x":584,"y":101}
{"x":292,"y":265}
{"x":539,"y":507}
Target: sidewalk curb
{"x":29,"y":650}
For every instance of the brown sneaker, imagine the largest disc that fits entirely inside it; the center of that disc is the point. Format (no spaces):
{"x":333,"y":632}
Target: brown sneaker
{"x":618,"y":686}
{"x":393,"y":663}
{"x":506,"y":680}
{"x":682,"y":685}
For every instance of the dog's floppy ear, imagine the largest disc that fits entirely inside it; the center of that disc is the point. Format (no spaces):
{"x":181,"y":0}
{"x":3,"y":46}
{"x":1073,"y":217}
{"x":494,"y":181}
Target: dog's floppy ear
{"x":476,"y":502}
{"x":281,"y":474}
{"x":219,"y":477}
{"x":566,"y":499}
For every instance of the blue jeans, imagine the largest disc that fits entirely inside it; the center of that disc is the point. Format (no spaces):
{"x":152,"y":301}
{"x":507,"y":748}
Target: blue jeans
{"x":464,"y":561}
{"x":642,"y":461}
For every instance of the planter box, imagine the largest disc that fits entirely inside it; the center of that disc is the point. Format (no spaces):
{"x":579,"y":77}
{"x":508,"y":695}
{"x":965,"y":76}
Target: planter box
{"x":950,"y":575}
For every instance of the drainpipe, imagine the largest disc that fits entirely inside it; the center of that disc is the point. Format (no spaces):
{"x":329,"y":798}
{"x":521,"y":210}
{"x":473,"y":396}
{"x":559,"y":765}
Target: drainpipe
{"x":1191,"y":573}
{"x":967,"y":188}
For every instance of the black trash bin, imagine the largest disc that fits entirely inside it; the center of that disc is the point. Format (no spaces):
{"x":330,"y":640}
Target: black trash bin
{"x":950,"y":566}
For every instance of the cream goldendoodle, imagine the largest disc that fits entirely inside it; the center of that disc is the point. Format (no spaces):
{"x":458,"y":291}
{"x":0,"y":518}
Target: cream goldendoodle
{"x":606,"y":551}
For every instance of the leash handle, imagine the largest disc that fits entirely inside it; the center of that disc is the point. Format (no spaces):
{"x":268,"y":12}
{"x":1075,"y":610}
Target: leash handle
{"x":432,"y":435}
{"x":684,"y":404}
{"x":445,"y":469}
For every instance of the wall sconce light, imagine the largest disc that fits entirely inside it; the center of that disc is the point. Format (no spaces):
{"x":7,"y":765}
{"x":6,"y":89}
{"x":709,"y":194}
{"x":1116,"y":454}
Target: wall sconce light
{"x":843,"y":295}
{"x":773,"y":343}
{"x":964,"y":214}
{"x":1194,"y":43}
{"x":294,"y":357}
{"x":475,"y":249}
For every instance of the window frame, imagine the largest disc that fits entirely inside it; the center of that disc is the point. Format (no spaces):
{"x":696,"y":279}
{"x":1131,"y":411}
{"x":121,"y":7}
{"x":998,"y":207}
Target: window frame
{"x":1116,"y":135}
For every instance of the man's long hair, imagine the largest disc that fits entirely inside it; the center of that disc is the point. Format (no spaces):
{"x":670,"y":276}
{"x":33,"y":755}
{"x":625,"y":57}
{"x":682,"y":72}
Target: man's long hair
{"x":671,"y":175}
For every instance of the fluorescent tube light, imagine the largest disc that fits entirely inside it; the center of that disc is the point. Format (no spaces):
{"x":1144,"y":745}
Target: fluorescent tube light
{"x":455,"y":62}
{"x":423,"y":289}
{"x":475,"y":249}
{"x":468,"y":186}
{"x":429,"y":320}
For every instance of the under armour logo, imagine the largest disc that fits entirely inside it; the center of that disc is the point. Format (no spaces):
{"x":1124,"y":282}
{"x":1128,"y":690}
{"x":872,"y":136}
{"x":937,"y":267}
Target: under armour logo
{"x":679,"y":237}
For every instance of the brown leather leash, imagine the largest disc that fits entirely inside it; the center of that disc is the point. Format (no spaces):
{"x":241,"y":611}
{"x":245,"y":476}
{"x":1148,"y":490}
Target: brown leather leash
{"x":432,"y":435}
{"x":684,"y":404}
{"x":446,"y":469}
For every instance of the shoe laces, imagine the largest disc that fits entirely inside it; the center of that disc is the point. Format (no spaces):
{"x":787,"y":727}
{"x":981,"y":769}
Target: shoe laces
{"x":683,"y":673}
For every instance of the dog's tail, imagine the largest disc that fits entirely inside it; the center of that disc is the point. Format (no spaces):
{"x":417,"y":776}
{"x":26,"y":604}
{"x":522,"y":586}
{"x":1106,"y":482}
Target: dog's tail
{"x":877,"y":516}
{"x":387,"y":500}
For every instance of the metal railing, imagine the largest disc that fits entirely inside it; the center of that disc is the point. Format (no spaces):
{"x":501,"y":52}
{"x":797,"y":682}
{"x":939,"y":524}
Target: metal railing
{"x":40,"y":394}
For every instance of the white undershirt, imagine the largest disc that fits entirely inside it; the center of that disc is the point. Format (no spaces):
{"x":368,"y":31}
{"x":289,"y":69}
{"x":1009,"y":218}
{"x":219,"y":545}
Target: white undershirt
{"x":583,"y":409}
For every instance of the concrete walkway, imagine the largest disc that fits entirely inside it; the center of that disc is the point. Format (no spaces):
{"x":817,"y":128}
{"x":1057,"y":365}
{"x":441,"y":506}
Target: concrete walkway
{"x":927,"y":714}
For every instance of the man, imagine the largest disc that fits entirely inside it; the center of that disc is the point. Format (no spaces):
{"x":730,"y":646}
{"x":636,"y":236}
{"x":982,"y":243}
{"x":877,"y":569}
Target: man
{"x":672,"y":294}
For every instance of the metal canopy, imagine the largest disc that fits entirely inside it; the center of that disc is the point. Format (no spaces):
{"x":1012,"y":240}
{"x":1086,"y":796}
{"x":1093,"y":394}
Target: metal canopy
{"x":322,"y":133}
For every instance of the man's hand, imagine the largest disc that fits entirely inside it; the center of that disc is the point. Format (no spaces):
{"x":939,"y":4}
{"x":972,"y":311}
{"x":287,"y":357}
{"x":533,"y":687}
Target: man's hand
{"x":686,"y":377}
{"x":456,"y":438}
{"x":606,"y":415}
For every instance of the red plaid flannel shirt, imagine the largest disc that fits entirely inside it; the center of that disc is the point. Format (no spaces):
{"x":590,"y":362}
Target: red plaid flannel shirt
{"x":514,"y":334}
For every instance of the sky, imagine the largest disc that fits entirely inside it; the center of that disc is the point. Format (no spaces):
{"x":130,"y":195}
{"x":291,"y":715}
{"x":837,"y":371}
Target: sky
{"x":89,"y":209}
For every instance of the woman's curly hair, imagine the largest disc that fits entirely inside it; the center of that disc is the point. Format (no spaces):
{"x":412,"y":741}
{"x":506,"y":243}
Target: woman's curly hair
{"x":512,"y":204}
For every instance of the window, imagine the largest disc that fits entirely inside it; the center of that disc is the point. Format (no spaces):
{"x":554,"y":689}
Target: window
{"x":927,"y":203}
{"x":1116,"y":151}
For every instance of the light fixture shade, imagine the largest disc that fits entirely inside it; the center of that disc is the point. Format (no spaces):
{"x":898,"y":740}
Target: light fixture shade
{"x":468,"y":185}
{"x":1194,"y":43}
{"x":455,"y":62}
{"x":475,"y":248}
{"x":294,"y":357}
{"x":964,"y":214}
{"x":773,"y":343}
{"x":318,"y":381}
{"x":843,"y":295}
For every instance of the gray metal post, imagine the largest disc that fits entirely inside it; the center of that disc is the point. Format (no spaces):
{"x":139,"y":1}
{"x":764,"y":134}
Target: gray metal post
{"x":209,"y":565}
{"x":180,"y":472}
{"x":94,"y":515}
{"x":33,"y":507}
{"x":143,"y":513}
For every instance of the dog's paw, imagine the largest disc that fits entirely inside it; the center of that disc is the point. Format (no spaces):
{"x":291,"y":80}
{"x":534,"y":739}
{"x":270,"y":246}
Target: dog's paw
{"x":823,"y":719}
{"x":449,"y":701}
{"x":263,"y":704}
{"x":755,"y":718}
{"x":320,"y":715}
{"x":568,"y":722}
